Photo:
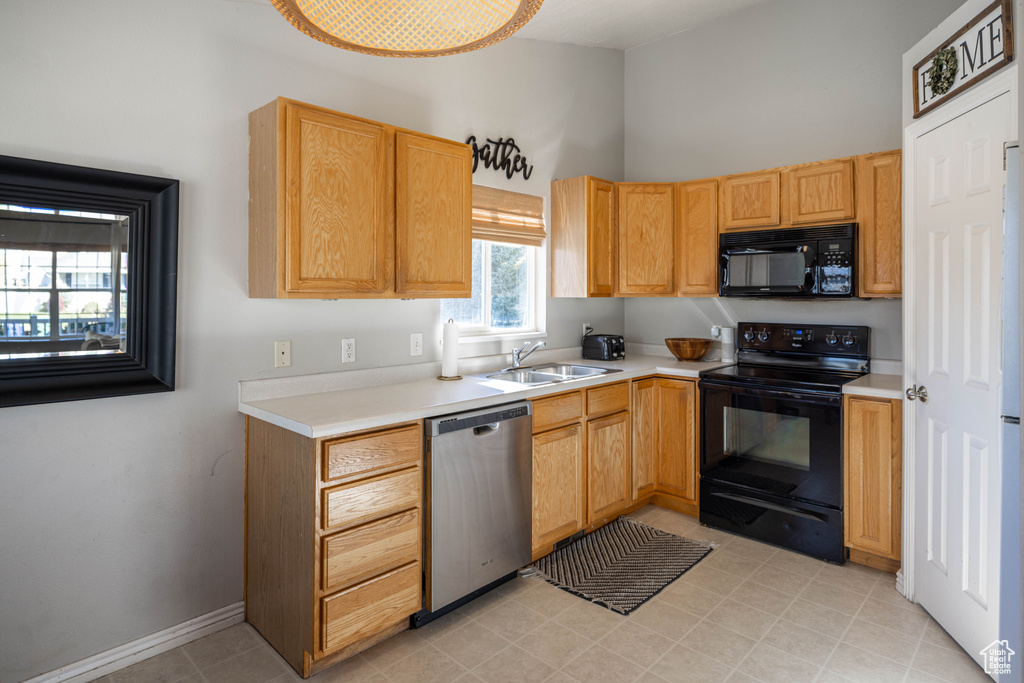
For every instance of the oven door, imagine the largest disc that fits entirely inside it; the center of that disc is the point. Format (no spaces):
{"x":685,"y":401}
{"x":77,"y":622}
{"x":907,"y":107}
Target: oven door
{"x":770,"y":270}
{"x":779,"y":442}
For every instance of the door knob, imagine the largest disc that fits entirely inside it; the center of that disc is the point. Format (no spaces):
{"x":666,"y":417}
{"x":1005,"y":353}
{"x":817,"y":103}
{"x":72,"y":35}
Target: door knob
{"x":918,"y":393}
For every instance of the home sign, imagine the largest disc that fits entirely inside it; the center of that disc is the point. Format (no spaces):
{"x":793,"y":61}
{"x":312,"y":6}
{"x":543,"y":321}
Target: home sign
{"x":502,"y":155}
{"x":972,"y":54}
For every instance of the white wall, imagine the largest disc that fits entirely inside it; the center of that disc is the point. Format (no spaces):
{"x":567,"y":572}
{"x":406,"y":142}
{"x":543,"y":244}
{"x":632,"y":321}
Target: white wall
{"x":121,"y":517}
{"x":784,"y":82}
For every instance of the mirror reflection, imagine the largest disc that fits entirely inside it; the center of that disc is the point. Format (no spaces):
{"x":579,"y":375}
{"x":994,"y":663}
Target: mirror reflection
{"x":63,"y":282}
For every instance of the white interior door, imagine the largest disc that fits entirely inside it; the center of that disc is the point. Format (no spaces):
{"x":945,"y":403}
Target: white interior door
{"x":957,"y":225}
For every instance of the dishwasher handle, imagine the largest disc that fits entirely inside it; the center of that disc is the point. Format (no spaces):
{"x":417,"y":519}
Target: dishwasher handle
{"x":484,"y":430}
{"x":487,"y":417}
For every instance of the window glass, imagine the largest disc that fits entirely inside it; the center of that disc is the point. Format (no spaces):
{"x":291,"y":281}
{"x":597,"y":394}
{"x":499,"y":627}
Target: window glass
{"x":504,"y":291}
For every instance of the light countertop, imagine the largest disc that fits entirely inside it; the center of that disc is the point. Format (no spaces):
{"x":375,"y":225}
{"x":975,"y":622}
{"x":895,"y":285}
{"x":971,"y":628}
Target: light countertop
{"x":876,"y":385}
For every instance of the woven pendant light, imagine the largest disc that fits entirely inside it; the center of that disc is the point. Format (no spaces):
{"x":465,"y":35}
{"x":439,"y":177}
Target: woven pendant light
{"x":408,"y":28}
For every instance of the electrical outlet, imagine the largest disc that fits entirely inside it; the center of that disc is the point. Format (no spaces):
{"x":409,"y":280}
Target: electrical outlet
{"x":282,"y":354}
{"x":587,"y":329}
{"x":416,"y":344}
{"x":348,"y":350}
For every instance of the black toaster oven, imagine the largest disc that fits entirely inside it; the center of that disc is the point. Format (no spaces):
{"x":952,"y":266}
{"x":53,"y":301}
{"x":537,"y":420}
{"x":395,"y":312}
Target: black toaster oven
{"x":604,"y":347}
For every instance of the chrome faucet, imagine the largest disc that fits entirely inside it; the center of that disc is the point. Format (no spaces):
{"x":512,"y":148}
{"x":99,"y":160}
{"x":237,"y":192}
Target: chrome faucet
{"x":518,"y":356}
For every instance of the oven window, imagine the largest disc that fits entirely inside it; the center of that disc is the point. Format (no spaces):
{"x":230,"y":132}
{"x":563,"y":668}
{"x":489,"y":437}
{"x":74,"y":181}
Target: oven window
{"x":767,"y":437}
{"x":775,"y":269}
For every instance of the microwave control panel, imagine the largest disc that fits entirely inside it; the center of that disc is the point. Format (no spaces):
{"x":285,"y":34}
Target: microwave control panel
{"x":835,"y":267}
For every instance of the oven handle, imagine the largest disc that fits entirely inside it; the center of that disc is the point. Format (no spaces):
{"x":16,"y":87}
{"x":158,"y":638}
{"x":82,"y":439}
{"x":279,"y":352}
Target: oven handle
{"x":809,"y":397}
{"x":813,"y":516}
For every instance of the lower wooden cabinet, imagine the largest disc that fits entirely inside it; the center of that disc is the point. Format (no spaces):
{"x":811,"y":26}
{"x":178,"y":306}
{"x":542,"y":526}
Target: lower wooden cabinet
{"x":608,"y":467}
{"x":333,"y":547}
{"x":558,"y":485}
{"x":677,"y":440}
{"x":645,"y":436}
{"x":874,"y":476}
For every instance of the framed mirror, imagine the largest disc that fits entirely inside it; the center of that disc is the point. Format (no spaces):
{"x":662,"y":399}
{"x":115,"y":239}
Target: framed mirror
{"x":88,"y":282}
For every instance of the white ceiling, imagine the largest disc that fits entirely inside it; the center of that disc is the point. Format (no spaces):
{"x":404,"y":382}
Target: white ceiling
{"x":622,"y":24}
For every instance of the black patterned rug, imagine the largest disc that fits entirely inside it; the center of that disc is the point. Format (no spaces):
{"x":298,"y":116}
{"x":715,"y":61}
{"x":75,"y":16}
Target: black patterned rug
{"x":622,"y":565}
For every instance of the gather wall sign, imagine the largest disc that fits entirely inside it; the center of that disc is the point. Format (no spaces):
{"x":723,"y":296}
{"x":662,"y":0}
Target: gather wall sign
{"x":502,"y":155}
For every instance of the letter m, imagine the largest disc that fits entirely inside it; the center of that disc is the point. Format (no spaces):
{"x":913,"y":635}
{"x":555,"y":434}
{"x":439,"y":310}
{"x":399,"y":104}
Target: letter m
{"x":967,"y":58}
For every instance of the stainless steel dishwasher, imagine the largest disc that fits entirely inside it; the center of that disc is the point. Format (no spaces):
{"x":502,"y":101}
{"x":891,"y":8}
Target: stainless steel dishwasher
{"x":478,"y":524}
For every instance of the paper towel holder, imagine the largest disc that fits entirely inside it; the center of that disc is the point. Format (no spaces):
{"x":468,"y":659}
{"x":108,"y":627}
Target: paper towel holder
{"x":451,"y":378}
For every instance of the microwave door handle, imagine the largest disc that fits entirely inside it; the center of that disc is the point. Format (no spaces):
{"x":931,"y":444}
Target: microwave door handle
{"x":813,"y":516}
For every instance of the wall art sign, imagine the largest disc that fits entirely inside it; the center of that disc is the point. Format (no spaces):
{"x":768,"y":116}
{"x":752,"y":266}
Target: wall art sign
{"x":972,"y":54}
{"x":502,"y":155}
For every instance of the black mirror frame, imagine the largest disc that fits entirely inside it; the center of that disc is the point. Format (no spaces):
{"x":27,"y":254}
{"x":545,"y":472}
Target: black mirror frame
{"x":151,"y":204}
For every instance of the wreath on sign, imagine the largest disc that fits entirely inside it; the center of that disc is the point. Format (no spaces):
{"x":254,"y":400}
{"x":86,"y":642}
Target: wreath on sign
{"x":943,"y":70}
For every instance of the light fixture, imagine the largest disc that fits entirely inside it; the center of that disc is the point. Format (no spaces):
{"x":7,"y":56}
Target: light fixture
{"x":408,"y":28}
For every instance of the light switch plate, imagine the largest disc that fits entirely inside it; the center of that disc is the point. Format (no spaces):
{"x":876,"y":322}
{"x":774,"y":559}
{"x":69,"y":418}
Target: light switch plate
{"x":416,"y":344}
{"x":282,"y":354}
{"x":348,"y":350}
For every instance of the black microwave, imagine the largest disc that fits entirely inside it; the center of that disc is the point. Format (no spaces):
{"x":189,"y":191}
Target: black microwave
{"x":797,"y":262}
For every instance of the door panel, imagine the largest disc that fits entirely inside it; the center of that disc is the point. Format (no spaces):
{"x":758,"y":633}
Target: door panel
{"x":698,"y":227}
{"x":677,"y":438}
{"x":600,"y":237}
{"x":644,"y":409}
{"x":558,"y":509}
{"x":647,"y":239}
{"x":608,"y":473}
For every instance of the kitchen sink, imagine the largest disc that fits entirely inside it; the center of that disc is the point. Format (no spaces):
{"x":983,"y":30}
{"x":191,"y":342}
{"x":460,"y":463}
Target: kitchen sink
{"x":566,"y":370}
{"x":526,"y":377}
{"x":547,"y":374}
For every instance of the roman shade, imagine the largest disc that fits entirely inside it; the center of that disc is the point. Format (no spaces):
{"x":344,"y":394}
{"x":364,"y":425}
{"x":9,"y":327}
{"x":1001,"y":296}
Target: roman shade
{"x":503,"y":216}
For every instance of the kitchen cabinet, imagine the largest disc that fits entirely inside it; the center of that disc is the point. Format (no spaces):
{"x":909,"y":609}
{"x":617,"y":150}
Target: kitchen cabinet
{"x":644,"y":409}
{"x":344,"y":207}
{"x":820,"y":192}
{"x":583,"y":237}
{"x":608,"y":467}
{"x":750,"y":200}
{"x":558,"y":485}
{"x":874,"y":480}
{"x":698,"y":232}
{"x":333,"y":548}
{"x":677,"y":443}
{"x":647,"y":240}
{"x":880,"y":219}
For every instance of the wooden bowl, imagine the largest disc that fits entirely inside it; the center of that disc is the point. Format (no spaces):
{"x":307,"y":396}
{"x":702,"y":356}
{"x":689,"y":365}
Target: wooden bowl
{"x":688,"y":348}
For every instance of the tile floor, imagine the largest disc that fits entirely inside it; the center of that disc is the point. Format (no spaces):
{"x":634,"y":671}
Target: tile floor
{"x":748,"y":612}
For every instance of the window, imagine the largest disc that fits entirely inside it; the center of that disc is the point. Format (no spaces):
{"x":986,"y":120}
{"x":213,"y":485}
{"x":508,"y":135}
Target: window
{"x":508,"y":233}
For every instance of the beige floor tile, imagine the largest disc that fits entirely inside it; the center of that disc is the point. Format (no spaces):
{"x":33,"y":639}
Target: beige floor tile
{"x":861,"y":665}
{"x":714,"y":640}
{"x":809,"y":645}
{"x":817,"y":618}
{"x":936,"y":635}
{"x":685,"y":595}
{"x":636,"y":643}
{"x":684,"y":665}
{"x":680,"y":525}
{"x":827,"y":676}
{"x":716,"y":537}
{"x":833,"y":597}
{"x":468,"y":677}
{"x":511,"y":619}
{"x":778,"y":579}
{"x":255,"y":666}
{"x":427,"y":665}
{"x":513,"y":665}
{"x":589,"y":620}
{"x":880,"y":640}
{"x":648,"y":677}
{"x":726,"y":560}
{"x":648,"y":514}
{"x":885,"y":590}
{"x":555,"y":644}
{"x":560,"y":677}
{"x":753,"y":550}
{"x":482,"y":604}
{"x":852,"y":577}
{"x":742,"y":619}
{"x":947,"y":664}
{"x":353,"y":670}
{"x":394,"y":649}
{"x":548,"y":600}
{"x":222,"y":645}
{"x":168,"y":667}
{"x":765,"y":599}
{"x":796,"y":563}
{"x":740,"y":677}
{"x":915,"y":676}
{"x":662,"y":616}
{"x":598,"y":665}
{"x":775,"y":666}
{"x":910,"y":622}
{"x":472,"y":644}
{"x":441,"y":626}
{"x":711,"y":580}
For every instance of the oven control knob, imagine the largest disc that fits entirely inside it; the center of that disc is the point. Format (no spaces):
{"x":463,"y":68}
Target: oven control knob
{"x":849,"y":340}
{"x":831,"y":339}
{"x":763,"y":335}
{"x":749,"y":335}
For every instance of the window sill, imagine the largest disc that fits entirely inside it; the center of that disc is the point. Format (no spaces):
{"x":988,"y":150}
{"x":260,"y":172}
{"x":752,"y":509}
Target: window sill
{"x":490,"y":337}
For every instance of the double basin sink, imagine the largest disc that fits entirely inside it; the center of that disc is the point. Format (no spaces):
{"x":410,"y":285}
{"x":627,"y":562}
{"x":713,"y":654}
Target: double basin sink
{"x":548,"y":374}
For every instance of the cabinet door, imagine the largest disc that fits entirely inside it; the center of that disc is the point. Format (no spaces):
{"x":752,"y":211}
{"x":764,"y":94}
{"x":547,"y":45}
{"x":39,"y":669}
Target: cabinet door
{"x":433,"y":217}
{"x":677,"y":438}
{"x":880,"y":224}
{"x":338,"y":236}
{"x":821,"y":192}
{"x":608,"y":474}
{"x":600,"y":237}
{"x":698,"y":228}
{"x":749,"y":200}
{"x":647,"y":239}
{"x":558,"y":509}
{"x":645,"y":436}
{"x":874,"y":475}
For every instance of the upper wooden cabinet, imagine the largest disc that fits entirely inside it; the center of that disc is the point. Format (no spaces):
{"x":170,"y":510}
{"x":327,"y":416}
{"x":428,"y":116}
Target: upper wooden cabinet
{"x":698,"y":233}
{"x":821,"y":192}
{"x":880,"y":219}
{"x":647,"y":239}
{"x":343,"y":207}
{"x":582,"y":237}
{"x":750,"y":200}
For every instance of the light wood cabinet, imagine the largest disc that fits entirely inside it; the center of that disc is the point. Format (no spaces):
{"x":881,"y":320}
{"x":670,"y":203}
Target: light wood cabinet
{"x":608,"y":467}
{"x":821,"y":192}
{"x":698,"y":232}
{"x":750,"y":200}
{"x":644,"y":410}
{"x":558,"y":485}
{"x":583,"y":236}
{"x":647,"y":240}
{"x":880,"y":219}
{"x":344,"y":207}
{"x":874,"y":476}
{"x":333,"y":530}
{"x":677,"y":441}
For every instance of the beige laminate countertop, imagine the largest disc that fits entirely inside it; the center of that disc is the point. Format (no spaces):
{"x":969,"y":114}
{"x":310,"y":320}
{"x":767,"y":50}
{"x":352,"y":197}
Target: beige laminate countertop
{"x":876,"y":385}
{"x":339,"y":412}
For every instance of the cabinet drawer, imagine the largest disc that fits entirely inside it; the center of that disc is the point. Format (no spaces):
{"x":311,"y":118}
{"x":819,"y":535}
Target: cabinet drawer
{"x":370,"y":499}
{"x":557,"y":410}
{"x":370,"y":607}
{"x":374,"y":548}
{"x":370,"y":452}
{"x":608,"y":399}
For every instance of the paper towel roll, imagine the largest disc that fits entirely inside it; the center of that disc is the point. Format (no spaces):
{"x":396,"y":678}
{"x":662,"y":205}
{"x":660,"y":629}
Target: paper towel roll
{"x":450,"y":350}
{"x":728,"y":344}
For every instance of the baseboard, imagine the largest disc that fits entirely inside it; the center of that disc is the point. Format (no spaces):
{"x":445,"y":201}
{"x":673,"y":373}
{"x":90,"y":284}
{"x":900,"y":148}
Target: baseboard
{"x":123,"y":656}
